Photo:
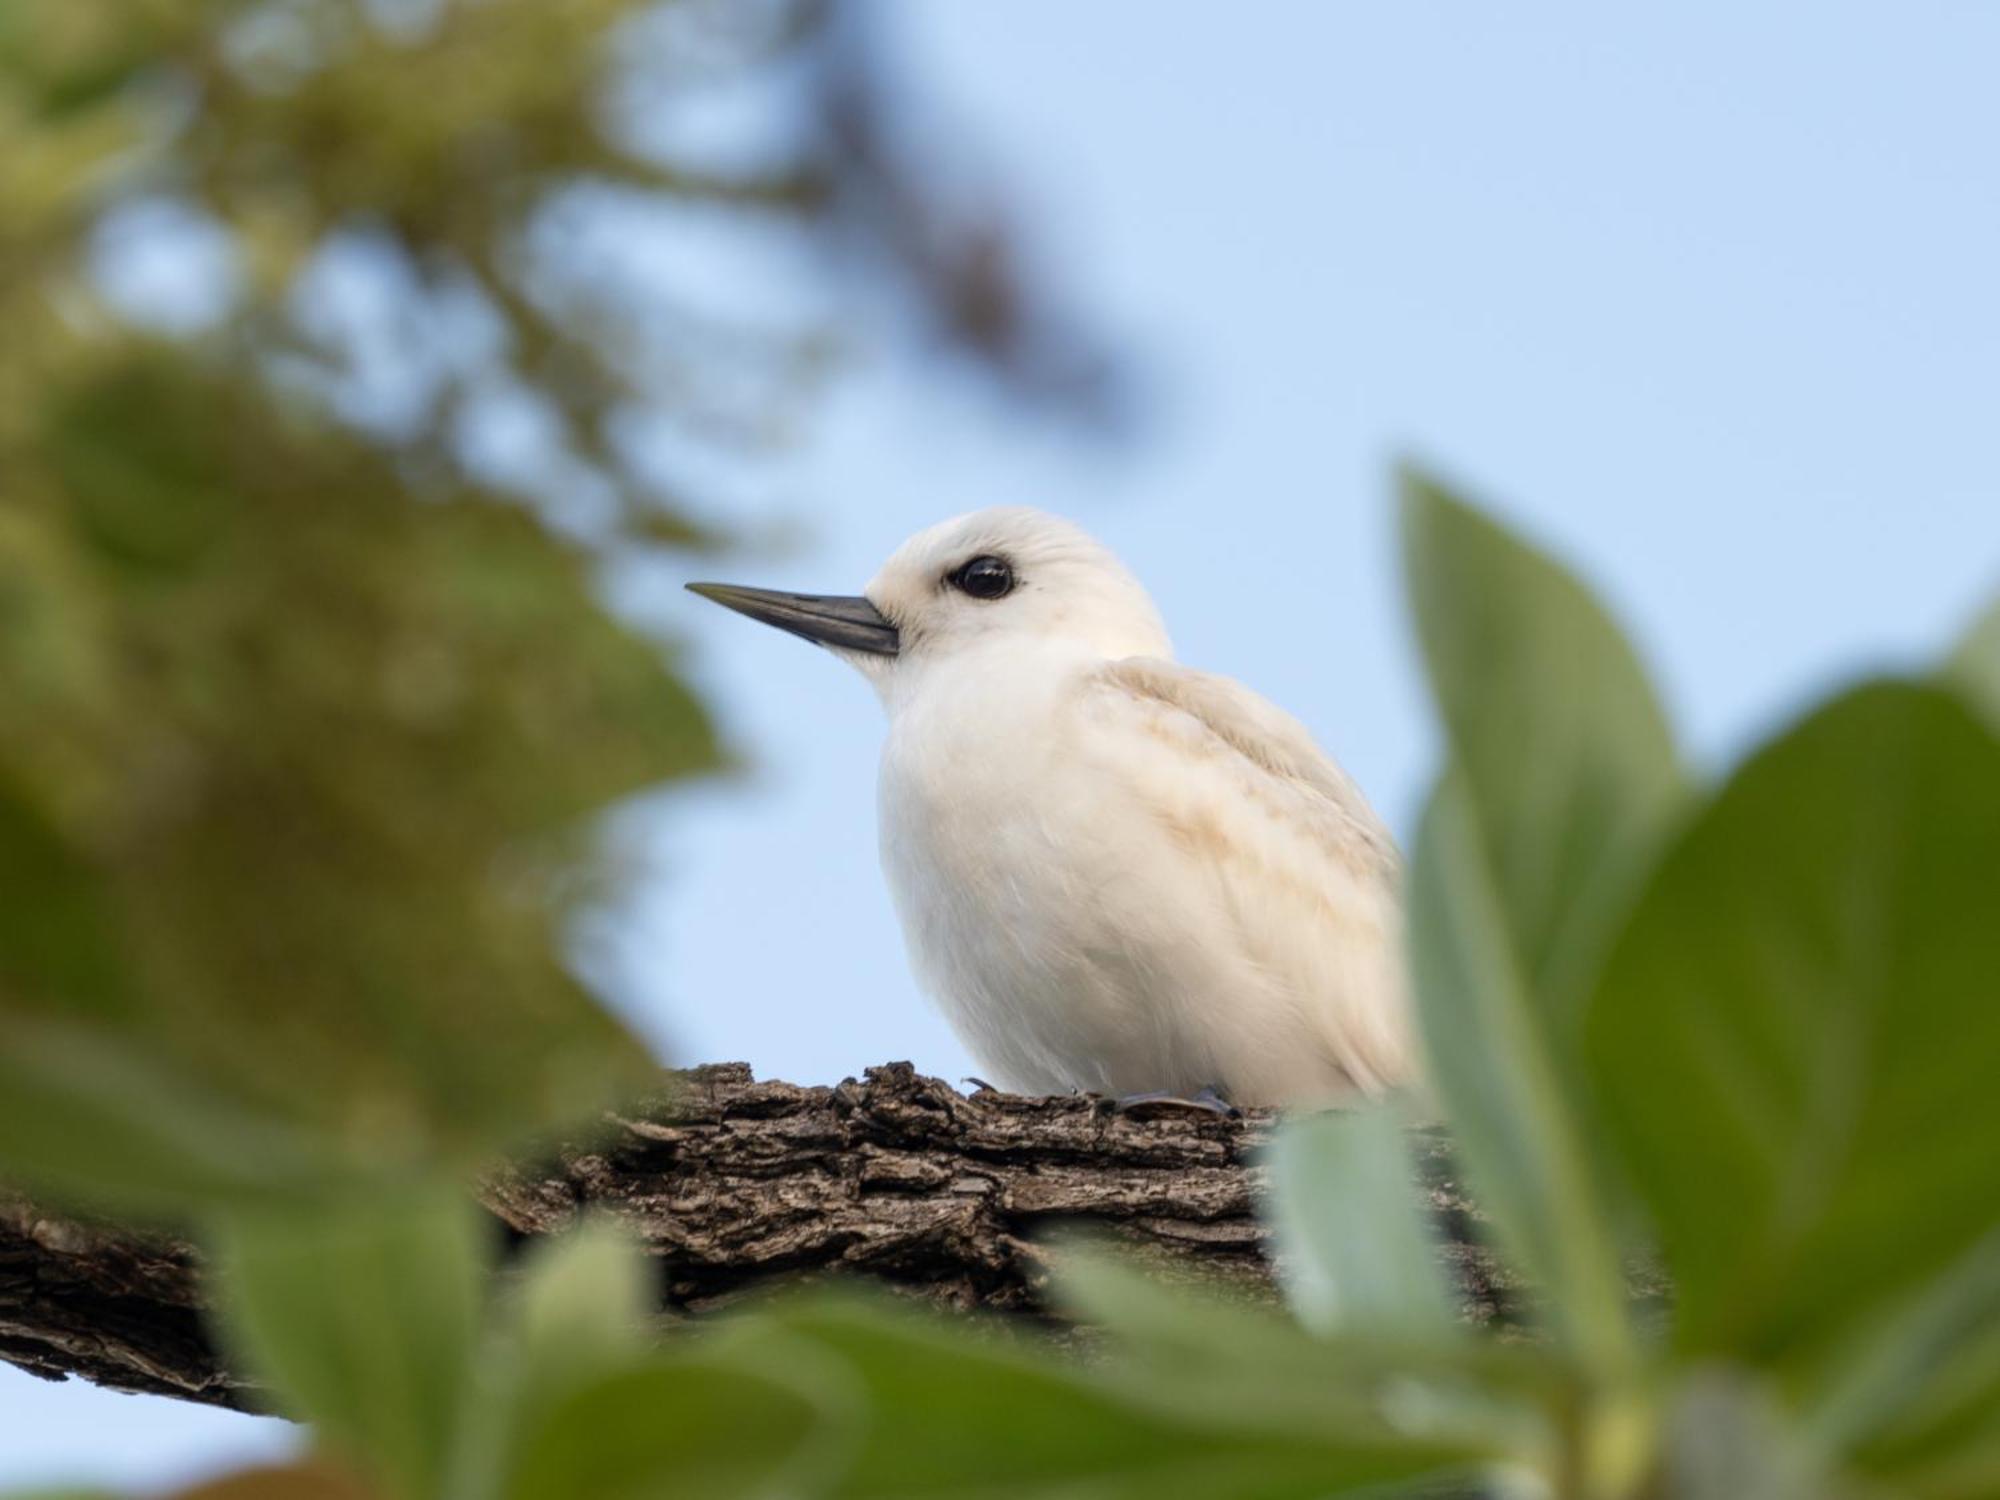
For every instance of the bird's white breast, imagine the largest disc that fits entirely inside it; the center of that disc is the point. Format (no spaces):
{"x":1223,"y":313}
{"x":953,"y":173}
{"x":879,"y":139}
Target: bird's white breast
{"x":1101,"y":894}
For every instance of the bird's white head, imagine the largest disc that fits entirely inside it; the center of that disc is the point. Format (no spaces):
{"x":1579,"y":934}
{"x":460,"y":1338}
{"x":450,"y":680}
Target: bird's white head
{"x":1013,"y":581}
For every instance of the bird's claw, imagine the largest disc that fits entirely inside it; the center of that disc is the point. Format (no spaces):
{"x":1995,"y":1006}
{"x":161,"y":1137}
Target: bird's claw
{"x":1158,"y":1101}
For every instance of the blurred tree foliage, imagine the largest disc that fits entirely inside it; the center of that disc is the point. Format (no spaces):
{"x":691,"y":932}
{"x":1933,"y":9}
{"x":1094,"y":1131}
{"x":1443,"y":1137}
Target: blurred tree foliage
{"x":306,"y":706}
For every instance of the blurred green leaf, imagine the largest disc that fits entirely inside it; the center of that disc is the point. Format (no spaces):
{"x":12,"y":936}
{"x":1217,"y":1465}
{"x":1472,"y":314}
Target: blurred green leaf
{"x":304,"y":1481}
{"x":1245,"y":1361}
{"x":684,"y":1427}
{"x":1190,"y":1328}
{"x":578,"y":1313}
{"x":1916,"y":1391}
{"x":81,"y":1110}
{"x":60,"y":940}
{"x":1794,"y":1036}
{"x":92,"y":1119}
{"x":1513,"y":1122}
{"x":1969,"y":1470}
{"x":1357,"y":1252}
{"x":582,"y":1304}
{"x":363,"y":1316}
{"x":1568,"y":760}
{"x":1727,"y":1438}
{"x":1975,"y":666}
{"x":1561,"y":775}
{"x":963,"y":1412}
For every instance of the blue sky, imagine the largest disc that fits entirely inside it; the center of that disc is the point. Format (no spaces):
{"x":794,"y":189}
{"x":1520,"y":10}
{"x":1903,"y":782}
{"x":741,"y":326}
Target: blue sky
{"x":1704,"y":296}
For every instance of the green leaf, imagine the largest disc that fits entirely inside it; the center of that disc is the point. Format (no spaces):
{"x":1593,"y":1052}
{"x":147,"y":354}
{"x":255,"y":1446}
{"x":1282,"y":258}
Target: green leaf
{"x":88,"y":1118}
{"x":362,"y":1316}
{"x":60,"y":943}
{"x":1974,"y":667}
{"x":1726,"y":1437}
{"x":1189,"y":1334}
{"x":1567,"y":757}
{"x":1516,"y":1126}
{"x":579,"y":1313}
{"x":959,"y":1411}
{"x":87,"y":1111}
{"x":1794,"y":1038}
{"x":1356,"y":1250}
{"x":1916,"y":1393}
{"x":583,"y":1303}
{"x":1970,"y":1470}
{"x":1245,"y":1361}
{"x":300,"y":1481}
{"x":1561,"y":773}
{"x":696,"y":1428}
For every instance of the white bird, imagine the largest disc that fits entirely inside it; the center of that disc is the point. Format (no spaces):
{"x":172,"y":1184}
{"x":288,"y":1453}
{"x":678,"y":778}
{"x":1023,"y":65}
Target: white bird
{"x":1114,"y":874}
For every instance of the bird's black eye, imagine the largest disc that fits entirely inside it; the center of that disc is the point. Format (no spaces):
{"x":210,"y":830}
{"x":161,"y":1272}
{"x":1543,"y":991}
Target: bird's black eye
{"x":985,"y":577}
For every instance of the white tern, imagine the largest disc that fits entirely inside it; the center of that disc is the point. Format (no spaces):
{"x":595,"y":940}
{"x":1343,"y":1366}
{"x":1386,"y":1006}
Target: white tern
{"x":1114,"y":874}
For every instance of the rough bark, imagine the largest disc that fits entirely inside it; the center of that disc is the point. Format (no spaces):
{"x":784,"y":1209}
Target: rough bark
{"x":734,"y":1183}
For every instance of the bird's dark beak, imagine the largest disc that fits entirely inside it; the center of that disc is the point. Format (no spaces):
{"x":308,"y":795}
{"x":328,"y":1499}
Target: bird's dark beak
{"x":845,"y":623}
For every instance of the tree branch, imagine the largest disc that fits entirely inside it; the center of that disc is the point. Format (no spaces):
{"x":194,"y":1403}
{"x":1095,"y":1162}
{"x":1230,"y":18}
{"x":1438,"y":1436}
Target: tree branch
{"x":733,"y":1183}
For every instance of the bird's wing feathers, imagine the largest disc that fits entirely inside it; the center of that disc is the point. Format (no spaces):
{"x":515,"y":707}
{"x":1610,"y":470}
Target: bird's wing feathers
{"x":1304,"y":873}
{"x":1265,"y":742}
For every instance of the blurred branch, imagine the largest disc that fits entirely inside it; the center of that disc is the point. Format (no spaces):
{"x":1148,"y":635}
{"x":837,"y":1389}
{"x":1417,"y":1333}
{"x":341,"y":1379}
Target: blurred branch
{"x":735,"y":1183}
{"x":950,"y":238}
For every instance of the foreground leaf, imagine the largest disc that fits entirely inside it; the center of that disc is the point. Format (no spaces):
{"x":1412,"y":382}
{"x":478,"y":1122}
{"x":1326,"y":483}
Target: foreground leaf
{"x":1726,"y":1438}
{"x":61,"y":940}
{"x":578,"y":1314}
{"x":961,"y":1412}
{"x":582,"y":1305}
{"x":309,"y":1481}
{"x":1244,"y":1360}
{"x":1974,"y":667}
{"x":1794,"y":1038}
{"x":1916,"y":1395}
{"x":87,"y":1117}
{"x":1561,"y":774}
{"x":1358,"y":1253}
{"x":681,"y":1429}
{"x":362,"y":1317}
{"x":1517,"y":1127}
{"x":1567,"y":758}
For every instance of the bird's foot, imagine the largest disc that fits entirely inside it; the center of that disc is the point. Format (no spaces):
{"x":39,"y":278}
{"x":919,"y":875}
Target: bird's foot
{"x":1208,"y":1100}
{"x":979,"y":1083}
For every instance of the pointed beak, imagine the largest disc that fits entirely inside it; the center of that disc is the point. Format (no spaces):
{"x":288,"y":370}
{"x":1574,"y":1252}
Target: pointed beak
{"x":842,"y":622}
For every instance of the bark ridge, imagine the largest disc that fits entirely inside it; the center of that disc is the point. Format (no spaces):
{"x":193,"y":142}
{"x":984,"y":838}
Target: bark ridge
{"x":735,"y":1183}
